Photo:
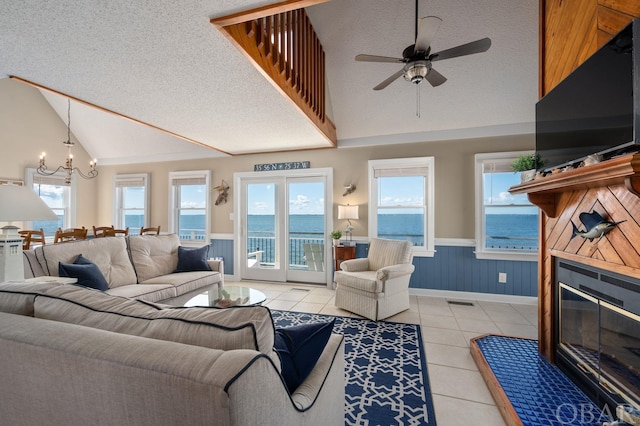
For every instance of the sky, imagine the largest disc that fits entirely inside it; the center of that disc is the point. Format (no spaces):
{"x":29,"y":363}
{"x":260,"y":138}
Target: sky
{"x":496,"y":192}
{"x":304,"y":198}
{"x":308,"y":197}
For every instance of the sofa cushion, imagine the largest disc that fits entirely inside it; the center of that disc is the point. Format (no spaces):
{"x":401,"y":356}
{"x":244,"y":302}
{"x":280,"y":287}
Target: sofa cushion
{"x":193,"y":259}
{"x":110,"y":254}
{"x":248,"y":327}
{"x":18,"y":298}
{"x":153,"y":255}
{"x":87,"y":273}
{"x":149,"y":292}
{"x":32,"y":267}
{"x":299,"y":348}
{"x":364,"y":281}
{"x":184,"y":282}
{"x":388,"y":252}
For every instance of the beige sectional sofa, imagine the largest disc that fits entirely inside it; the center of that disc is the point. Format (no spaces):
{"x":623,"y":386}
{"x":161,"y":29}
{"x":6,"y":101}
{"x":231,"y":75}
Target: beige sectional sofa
{"x":139,"y":266}
{"x":77,"y":356}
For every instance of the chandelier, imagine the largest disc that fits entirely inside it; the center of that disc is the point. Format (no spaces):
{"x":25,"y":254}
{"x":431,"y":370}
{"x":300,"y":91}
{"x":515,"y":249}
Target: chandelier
{"x":68,"y":168}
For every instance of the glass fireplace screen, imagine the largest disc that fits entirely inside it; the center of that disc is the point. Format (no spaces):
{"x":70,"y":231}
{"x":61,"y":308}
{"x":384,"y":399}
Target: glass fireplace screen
{"x":603,"y":339}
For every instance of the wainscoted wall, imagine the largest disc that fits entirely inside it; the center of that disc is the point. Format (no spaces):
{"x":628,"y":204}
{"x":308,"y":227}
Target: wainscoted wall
{"x":222,"y":246}
{"x":453,"y":268}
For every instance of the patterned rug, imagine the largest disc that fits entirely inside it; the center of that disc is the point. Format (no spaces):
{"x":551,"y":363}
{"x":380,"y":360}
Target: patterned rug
{"x":386,"y":370}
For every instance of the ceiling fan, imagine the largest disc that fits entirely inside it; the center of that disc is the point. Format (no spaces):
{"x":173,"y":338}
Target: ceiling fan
{"x":418,"y":57}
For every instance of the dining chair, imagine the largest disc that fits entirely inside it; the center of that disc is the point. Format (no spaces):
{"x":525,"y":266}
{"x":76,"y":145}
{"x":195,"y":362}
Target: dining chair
{"x":119,"y":232}
{"x":31,"y":236}
{"x":102,"y":231}
{"x":70,"y":234}
{"x":150,"y":231}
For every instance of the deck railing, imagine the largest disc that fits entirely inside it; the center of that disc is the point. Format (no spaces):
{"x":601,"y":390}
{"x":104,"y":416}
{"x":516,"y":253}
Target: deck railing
{"x":266,"y":244}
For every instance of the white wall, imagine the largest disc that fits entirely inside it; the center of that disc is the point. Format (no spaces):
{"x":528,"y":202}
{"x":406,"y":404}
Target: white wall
{"x":28,"y":126}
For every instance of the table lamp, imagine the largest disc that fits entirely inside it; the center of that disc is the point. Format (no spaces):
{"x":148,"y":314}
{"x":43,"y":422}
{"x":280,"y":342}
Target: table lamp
{"x":348,"y":212}
{"x":17,"y":203}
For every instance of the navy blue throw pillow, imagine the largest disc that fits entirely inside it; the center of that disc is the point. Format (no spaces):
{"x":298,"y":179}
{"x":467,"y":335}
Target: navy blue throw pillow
{"x":193,"y":259}
{"x":299,"y":348}
{"x":87,"y":273}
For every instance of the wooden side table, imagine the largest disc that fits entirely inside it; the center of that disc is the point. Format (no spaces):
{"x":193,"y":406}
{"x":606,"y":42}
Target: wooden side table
{"x":341,"y":254}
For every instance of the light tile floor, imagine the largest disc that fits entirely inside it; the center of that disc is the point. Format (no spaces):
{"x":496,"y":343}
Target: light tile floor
{"x":460,"y":395}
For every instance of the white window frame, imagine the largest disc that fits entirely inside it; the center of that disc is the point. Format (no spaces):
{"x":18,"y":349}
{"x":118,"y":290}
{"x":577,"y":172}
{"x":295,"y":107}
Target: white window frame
{"x":403,"y":165}
{"x":174,"y":208}
{"x":503,"y":160}
{"x":124,"y":181}
{"x":32,"y":175}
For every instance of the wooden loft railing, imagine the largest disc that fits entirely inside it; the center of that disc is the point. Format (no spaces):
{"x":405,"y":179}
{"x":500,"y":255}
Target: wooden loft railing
{"x":282,"y":44}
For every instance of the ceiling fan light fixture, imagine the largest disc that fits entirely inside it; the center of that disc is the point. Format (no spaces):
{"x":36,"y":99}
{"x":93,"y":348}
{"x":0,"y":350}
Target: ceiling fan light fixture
{"x":416,"y":71}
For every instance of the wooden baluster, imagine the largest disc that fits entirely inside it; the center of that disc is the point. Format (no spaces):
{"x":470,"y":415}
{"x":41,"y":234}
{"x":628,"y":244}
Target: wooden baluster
{"x":322,"y":87}
{"x":289,"y":46}
{"x":276,"y":43}
{"x":297,"y":39}
{"x":268,"y":32}
{"x":262,"y":48}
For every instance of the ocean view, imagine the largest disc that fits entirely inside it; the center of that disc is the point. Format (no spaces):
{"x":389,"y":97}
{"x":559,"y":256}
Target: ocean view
{"x":510,"y":231}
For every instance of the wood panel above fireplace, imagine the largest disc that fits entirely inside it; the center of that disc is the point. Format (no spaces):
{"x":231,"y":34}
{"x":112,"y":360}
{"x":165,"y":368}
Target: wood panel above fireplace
{"x":612,"y":188}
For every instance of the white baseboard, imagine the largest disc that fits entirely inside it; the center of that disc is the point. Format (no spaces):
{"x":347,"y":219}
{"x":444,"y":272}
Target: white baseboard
{"x":468,"y":295}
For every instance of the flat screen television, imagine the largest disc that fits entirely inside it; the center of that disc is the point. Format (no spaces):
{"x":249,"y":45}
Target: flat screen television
{"x":595,"y":109}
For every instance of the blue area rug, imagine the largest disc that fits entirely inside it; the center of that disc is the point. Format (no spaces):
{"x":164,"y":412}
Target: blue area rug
{"x":386,"y":370}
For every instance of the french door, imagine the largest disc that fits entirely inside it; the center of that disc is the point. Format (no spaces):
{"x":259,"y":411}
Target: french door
{"x":282,"y":225}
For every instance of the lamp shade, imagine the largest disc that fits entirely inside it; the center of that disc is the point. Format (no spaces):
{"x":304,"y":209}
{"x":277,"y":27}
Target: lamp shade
{"x":20,"y":203}
{"x":347,"y":212}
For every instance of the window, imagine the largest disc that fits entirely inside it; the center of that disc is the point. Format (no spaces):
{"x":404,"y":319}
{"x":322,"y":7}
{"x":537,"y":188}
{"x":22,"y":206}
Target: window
{"x":506,"y":225}
{"x":190,"y":204}
{"x":58,"y":195}
{"x":131,"y":202}
{"x":401,"y":193}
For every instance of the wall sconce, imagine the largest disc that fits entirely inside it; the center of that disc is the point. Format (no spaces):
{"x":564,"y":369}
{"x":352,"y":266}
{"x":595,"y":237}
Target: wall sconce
{"x":348,"y":212}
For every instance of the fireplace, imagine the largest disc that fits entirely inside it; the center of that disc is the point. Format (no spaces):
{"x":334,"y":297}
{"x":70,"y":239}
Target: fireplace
{"x":598,"y":332}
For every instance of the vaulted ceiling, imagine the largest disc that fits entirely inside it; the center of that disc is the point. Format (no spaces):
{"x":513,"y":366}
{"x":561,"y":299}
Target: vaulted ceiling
{"x":164,"y":64}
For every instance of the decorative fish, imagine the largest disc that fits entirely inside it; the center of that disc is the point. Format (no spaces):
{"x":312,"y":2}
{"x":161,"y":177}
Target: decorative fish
{"x":595,"y":226}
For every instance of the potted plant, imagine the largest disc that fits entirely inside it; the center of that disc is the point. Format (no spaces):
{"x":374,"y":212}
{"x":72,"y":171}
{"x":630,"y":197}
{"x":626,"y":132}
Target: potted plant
{"x":527,"y":165}
{"x":336,"y":235}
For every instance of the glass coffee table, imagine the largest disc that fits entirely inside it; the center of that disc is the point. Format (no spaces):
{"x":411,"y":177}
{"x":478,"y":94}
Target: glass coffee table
{"x":228,"y":296}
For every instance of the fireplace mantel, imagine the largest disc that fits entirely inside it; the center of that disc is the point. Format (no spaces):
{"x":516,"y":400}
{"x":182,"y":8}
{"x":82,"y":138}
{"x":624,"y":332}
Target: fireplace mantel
{"x":611,"y":188}
{"x":543,"y":191}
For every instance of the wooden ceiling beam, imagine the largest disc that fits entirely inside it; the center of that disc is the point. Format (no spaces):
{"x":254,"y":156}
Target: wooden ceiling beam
{"x":261,"y":12}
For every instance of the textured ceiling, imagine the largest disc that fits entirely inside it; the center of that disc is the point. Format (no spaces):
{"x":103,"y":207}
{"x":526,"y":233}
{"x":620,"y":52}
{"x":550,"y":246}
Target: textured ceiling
{"x":163,"y":63}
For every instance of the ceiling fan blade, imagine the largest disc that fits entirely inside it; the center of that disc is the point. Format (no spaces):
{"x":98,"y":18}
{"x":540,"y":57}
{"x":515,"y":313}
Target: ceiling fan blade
{"x":435,"y":78}
{"x":374,"y":58}
{"x":389,"y":80}
{"x":477,"y":46}
{"x":426,"y":32}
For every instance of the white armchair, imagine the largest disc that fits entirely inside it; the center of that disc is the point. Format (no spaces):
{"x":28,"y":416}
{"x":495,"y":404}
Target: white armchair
{"x":376,"y":287}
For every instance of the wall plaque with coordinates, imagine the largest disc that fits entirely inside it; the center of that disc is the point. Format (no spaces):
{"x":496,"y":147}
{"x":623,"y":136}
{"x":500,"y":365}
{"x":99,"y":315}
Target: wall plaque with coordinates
{"x":292,"y":165}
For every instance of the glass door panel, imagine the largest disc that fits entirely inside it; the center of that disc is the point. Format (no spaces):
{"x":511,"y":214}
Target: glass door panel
{"x":306,"y":230}
{"x":282,"y":226}
{"x":262,"y":237}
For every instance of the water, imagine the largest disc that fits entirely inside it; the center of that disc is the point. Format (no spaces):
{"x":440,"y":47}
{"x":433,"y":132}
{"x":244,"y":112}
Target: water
{"x":512,"y":231}
{"x":506,"y":231}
